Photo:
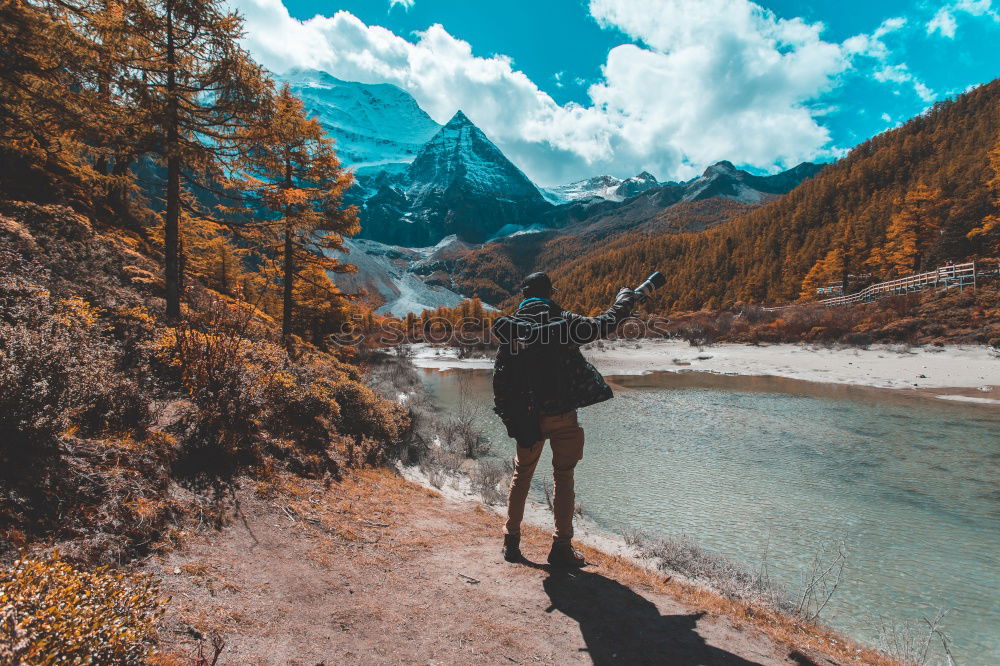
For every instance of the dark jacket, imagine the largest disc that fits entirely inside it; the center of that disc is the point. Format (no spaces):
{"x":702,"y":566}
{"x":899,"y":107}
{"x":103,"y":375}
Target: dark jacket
{"x":539,"y":367}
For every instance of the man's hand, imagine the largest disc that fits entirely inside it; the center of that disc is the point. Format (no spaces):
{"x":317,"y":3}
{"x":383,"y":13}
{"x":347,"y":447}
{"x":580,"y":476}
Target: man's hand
{"x":630,"y":294}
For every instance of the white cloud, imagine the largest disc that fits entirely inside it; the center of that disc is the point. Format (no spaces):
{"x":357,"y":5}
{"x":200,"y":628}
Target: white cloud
{"x":715,"y":79}
{"x":944,"y":20}
{"x":902,"y":74}
{"x":706,"y":80}
{"x":873,"y":45}
{"x":405,"y":4}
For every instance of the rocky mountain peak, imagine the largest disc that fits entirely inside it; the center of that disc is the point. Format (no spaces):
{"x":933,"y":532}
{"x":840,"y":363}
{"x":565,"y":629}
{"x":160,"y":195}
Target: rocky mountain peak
{"x":459,"y":120}
{"x":636,"y":185}
{"x":723,"y":168}
{"x":458,"y":183}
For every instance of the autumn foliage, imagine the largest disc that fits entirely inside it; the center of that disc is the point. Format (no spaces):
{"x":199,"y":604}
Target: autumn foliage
{"x":165,"y":305}
{"x":52,"y":613}
{"x":915,"y":196}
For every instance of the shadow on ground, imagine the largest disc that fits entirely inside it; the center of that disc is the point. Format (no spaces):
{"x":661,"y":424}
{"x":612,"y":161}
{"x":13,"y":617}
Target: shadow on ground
{"x":622,"y":627}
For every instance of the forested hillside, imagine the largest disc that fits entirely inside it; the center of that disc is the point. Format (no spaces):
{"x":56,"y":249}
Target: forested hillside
{"x":149,"y":341}
{"x":493,"y":271}
{"x":912,"y":197}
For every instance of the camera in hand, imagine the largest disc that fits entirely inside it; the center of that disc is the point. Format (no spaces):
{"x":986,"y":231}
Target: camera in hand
{"x":653,"y":282}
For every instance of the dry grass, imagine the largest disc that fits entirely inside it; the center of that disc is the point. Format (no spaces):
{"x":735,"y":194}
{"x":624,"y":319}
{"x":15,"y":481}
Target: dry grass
{"x":491,"y":479}
{"x":355,"y":509}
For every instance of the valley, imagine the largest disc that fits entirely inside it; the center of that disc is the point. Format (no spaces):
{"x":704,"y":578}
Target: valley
{"x":269,"y":375}
{"x":726,"y":236}
{"x":413,"y":196}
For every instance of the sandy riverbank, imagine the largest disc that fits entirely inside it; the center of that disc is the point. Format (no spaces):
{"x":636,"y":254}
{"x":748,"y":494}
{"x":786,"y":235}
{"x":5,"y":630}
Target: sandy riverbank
{"x":965,"y":373}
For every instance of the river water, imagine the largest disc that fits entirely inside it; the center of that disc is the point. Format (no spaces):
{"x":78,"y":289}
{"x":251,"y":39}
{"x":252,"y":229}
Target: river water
{"x":746,"y":465}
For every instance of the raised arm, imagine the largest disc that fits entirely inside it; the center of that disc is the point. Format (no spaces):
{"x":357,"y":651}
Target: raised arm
{"x":572,"y":328}
{"x":587,"y":329}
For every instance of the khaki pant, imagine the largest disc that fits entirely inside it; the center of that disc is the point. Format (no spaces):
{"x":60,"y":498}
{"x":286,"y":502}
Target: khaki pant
{"x":566,"y":437}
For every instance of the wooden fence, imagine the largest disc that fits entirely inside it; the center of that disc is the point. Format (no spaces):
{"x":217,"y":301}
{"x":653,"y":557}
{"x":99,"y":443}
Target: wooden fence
{"x":945,"y":277}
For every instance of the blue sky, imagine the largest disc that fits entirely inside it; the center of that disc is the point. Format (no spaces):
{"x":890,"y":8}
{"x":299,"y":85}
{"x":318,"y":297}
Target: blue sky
{"x":573,"y":88}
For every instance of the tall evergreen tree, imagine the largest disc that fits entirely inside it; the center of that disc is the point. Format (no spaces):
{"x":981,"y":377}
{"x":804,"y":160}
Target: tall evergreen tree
{"x":912,"y":231}
{"x":989,"y":230}
{"x":297,"y":179}
{"x":201,"y":90}
{"x":47,"y":108}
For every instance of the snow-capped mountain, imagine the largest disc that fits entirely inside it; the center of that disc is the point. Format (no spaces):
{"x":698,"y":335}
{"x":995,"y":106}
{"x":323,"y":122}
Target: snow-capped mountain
{"x":609,"y":188}
{"x":636,"y":184}
{"x":722,"y":179}
{"x":459,"y":183}
{"x":376,"y":126}
{"x":602,"y":187}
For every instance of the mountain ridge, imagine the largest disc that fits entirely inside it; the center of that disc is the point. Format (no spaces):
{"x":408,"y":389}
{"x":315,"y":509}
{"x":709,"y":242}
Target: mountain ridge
{"x":719,"y":180}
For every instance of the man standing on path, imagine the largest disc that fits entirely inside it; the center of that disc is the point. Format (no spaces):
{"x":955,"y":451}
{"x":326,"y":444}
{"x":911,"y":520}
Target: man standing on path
{"x":540,"y":379}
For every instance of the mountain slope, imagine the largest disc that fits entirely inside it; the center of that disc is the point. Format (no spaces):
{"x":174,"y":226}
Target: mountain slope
{"x":376,"y":126}
{"x":764,"y":255}
{"x":459,"y":183}
{"x":493,"y":271}
{"x":384,"y":273}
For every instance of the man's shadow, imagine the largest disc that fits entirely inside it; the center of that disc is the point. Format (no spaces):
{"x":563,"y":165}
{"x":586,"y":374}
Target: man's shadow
{"x":622,"y":627}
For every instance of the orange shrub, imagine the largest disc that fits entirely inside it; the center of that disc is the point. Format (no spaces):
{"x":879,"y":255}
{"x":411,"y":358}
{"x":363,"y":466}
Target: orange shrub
{"x":53,"y":613}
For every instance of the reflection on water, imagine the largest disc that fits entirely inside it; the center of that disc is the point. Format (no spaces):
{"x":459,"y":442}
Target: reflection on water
{"x":911,"y":484}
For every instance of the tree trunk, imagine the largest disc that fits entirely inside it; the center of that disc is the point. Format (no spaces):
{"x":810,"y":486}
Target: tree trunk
{"x":103,"y":88}
{"x":172,"y":237}
{"x":286,"y":306}
{"x":224,"y":277}
{"x":286,"y":309}
{"x":171,"y":231}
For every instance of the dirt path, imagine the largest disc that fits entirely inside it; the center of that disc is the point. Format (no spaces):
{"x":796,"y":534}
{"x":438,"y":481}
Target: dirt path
{"x":376,"y":570}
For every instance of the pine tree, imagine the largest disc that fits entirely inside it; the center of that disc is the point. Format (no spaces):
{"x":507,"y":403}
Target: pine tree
{"x":297,"y":179}
{"x":912,"y":231}
{"x":989,"y":230}
{"x":200,"y":89}
{"x":823,"y":272}
{"x":836,"y":265}
{"x":47,"y":106}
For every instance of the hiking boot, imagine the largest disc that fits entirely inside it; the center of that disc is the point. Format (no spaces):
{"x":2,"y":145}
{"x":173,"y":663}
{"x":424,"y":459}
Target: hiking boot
{"x":512,"y":547}
{"x":564,"y":555}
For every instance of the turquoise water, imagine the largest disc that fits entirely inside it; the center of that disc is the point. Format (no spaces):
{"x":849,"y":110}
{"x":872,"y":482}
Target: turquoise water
{"x":911,"y":485}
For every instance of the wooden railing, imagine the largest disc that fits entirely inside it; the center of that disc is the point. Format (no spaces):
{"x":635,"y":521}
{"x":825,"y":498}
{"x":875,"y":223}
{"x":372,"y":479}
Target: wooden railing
{"x":945,"y":277}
